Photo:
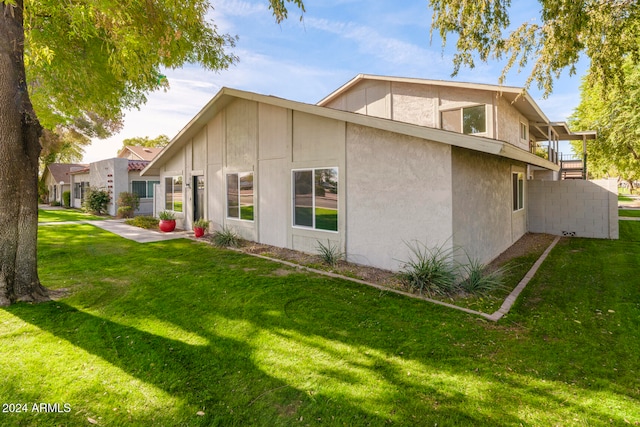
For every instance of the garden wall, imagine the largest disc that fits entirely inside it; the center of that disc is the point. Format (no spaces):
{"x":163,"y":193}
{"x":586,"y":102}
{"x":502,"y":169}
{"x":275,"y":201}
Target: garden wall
{"x":574,"y":208}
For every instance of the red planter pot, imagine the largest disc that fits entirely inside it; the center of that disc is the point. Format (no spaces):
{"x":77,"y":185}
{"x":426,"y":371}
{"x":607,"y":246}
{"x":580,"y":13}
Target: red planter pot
{"x":199,"y":231}
{"x":167,"y":225}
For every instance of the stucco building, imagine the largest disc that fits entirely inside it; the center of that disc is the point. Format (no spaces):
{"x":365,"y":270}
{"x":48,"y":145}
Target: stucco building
{"x":379,"y":163}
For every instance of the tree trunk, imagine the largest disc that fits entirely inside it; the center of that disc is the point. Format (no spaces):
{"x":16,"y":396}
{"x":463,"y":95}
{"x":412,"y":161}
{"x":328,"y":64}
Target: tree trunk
{"x":19,"y":151}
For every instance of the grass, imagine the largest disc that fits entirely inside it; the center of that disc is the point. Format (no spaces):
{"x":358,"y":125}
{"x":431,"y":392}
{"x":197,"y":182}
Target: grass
{"x":65,"y":215}
{"x":633,"y":213}
{"x":156,"y":334}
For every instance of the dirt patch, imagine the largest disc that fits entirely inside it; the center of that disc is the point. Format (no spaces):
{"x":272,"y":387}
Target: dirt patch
{"x":527,"y":244}
{"x":281,"y":272}
{"x":357,"y":271}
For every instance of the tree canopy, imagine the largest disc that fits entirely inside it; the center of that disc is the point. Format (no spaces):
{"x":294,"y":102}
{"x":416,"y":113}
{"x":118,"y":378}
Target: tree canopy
{"x":615,"y":115}
{"x":145,"y":141}
{"x":76,"y":66}
{"x":606,"y":31}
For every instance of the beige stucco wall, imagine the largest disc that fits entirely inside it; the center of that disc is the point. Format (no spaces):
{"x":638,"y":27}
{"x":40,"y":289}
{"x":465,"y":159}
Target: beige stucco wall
{"x":398,"y":191}
{"x":367,"y":97}
{"x":508,"y":124}
{"x":483,"y":218}
{"x":274,"y":156}
{"x":416,"y":104}
{"x":574,"y":207}
{"x":422,"y":104}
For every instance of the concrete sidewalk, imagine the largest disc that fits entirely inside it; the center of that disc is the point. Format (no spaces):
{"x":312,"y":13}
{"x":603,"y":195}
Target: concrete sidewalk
{"x":137,"y":234}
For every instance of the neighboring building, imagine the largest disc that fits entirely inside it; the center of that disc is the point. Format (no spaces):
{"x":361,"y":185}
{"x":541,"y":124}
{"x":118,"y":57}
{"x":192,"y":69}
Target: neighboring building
{"x":391,"y":162}
{"x":132,"y":152}
{"x":118,"y":175}
{"x":115,"y":175}
{"x":57,"y":180}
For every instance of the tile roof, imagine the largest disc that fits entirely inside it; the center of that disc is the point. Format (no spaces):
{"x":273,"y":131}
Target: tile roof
{"x":135,"y":165}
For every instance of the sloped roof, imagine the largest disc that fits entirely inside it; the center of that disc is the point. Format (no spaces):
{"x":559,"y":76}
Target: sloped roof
{"x":517,"y":96}
{"x":142,"y":153}
{"x":227,"y":95}
{"x":60,"y":171}
{"x":135,"y":165}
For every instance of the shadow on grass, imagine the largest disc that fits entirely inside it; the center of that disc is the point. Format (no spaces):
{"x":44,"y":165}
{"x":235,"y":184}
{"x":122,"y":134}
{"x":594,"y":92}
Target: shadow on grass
{"x":271,"y":350}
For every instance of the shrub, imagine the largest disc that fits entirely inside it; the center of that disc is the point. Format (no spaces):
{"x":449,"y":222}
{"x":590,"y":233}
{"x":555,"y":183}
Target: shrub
{"x":66,"y":199}
{"x":128,"y":203}
{"x":201,"y":223}
{"x":429,"y":271}
{"x":226,"y":237}
{"x":96,"y":201}
{"x":479,"y":280}
{"x":148,"y":222}
{"x":166,"y":215}
{"x":330,"y":253}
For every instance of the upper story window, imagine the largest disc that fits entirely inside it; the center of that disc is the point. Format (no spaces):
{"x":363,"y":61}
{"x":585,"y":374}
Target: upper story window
{"x":474,"y":120}
{"x":467,"y":120}
{"x":524,"y":131}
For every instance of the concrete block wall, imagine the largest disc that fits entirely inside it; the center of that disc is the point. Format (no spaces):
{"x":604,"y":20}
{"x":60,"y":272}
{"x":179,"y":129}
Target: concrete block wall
{"x":574,"y":208}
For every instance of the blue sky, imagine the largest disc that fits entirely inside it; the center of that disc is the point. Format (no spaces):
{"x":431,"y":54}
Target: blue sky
{"x":306,"y":60}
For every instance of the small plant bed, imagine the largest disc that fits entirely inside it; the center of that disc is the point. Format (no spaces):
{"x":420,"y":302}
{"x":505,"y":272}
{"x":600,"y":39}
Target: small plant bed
{"x":515,"y":262}
{"x":368,"y":274}
{"x":146,"y":222}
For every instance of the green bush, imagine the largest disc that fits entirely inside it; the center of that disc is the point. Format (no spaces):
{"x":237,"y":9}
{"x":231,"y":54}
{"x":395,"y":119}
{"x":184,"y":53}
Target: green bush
{"x":225,"y":238}
{"x":96,"y":201}
{"x":128,"y":203}
{"x":430,"y":271}
{"x":166,"y":215}
{"x":479,"y":280}
{"x":148,"y":222}
{"x":201,"y":223}
{"x":330,"y":253}
{"x":66,"y":199}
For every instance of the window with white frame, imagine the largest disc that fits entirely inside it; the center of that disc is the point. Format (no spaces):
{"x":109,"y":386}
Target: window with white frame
{"x":315,"y":198}
{"x":173,"y":193}
{"x":240,"y":196}
{"x":524,"y":131}
{"x":518,"y":191}
{"x":467,"y":120}
{"x":144,"y":189}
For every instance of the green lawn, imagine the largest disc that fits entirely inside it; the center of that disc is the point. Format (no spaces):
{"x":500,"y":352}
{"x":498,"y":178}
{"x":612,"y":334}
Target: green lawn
{"x":634,"y":213}
{"x":154,"y":334}
{"x":60,"y":215}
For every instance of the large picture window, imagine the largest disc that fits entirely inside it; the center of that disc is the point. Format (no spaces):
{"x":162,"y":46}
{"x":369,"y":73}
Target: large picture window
{"x":240,"y":196}
{"x":144,"y":189}
{"x":468,"y":120}
{"x":474,"y":120}
{"x":315,"y":194}
{"x":173,"y":193}
{"x":518,"y":191}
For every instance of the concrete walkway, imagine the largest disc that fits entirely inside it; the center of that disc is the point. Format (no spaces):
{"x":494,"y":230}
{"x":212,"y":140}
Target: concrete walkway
{"x":137,"y":234}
